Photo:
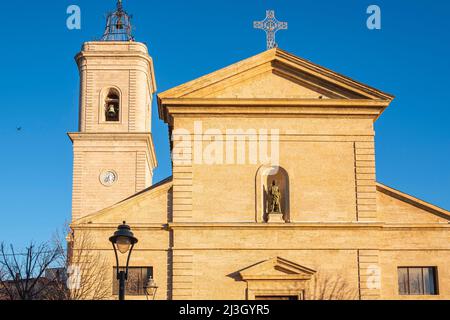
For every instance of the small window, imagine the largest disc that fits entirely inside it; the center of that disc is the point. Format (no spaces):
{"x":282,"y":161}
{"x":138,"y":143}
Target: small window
{"x":112,"y":106}
{"x":137,"y":278}
{"x":417,"y":281}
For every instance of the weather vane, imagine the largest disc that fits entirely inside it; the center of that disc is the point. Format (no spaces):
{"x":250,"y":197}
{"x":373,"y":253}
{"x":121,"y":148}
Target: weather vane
{"x":270,"y":25}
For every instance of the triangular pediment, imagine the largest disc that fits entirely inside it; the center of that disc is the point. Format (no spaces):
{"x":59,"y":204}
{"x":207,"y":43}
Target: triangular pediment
{"x":266,"y":85}
{"x":395,"y":206}
{"x":276,"y":268}
{"x":274,"y":74}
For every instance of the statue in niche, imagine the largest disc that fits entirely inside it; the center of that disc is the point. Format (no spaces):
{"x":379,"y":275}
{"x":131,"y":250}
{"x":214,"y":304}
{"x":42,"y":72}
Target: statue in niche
{"x":274,"y":198}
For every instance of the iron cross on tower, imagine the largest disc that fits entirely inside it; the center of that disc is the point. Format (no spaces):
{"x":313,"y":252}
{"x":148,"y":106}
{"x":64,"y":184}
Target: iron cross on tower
{"x":270,"y":25}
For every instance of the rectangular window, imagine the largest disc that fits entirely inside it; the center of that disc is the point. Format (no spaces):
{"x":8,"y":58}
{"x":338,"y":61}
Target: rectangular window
{"x":417,"y":281}
{"x":137,"y":278}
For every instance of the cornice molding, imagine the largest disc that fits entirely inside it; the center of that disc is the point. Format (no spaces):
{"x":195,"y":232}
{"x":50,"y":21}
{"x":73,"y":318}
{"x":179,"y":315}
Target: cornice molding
{"x":109,"y":226}
{"x":98,"y":49}
{"x":118,"y":136}
{"x":307,"y":107}
{"x":345,"y":226}
{"x":274,"y":102}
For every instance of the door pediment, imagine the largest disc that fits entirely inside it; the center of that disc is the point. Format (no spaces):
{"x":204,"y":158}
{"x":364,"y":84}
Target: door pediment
{"x":276,"y":269}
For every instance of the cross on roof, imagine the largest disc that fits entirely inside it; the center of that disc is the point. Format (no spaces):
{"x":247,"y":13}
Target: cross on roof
{"x":270,"y":25}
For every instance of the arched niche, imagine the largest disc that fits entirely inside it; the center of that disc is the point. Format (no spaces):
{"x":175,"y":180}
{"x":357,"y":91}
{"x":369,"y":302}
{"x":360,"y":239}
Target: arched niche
{"x":264,"y":177}
{"x":110,"y":105}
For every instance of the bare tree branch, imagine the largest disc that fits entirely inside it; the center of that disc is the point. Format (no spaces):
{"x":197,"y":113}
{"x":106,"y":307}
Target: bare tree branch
{"x":331,"y":286}
{"x":22,"y":276}
{"x":89,"y":266}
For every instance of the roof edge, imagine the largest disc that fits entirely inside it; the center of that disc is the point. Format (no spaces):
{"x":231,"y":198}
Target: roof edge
{"x":166,"y":182}
{"x":340,"y":76}
{"x":421,"y":204}
{"x":262,"y":58}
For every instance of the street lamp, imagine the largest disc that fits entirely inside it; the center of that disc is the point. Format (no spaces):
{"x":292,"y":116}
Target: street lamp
{"x":123,"y":240}
{"x":150,"y":288}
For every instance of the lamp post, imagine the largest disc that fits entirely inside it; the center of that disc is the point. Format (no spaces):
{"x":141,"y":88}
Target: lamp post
{"x":150,"y":288}
{"x":123,"y":241}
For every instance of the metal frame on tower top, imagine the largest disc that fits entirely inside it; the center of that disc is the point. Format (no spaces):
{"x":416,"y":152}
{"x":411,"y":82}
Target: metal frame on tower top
{"x":118,"y":25}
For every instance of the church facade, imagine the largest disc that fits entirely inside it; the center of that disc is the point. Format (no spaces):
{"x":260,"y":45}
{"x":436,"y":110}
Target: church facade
{"x":217,"y":228}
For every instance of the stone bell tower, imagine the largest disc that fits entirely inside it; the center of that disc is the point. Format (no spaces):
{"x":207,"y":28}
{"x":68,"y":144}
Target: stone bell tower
{"x":114,"y":155}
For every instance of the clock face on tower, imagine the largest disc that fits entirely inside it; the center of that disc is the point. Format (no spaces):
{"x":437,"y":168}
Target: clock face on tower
{"x":108,"y":178}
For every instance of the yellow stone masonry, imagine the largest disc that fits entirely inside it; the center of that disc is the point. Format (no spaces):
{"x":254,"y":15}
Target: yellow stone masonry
{"x":203,"y":230}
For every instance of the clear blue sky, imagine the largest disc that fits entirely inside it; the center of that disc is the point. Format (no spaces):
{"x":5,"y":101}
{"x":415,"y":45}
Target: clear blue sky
{"x":409,"y":58}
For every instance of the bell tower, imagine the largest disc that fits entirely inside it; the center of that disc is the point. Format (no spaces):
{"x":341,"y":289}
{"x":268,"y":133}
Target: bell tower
{"x":114,"y":156}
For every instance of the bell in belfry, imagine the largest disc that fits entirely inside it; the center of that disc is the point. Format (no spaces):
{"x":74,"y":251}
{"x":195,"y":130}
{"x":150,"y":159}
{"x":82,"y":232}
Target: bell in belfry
{"x":112,"y":111}
{"x":119,"y":24}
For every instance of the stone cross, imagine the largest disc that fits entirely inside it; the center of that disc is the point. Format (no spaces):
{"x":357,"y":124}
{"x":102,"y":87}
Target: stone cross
{"x":270,"y":25}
